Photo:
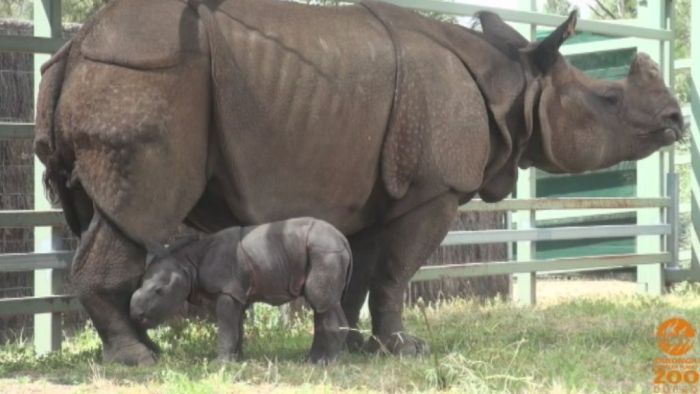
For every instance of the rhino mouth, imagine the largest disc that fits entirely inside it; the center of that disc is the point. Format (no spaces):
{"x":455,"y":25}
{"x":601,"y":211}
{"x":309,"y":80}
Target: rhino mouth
{"x":145,"y":323}
{"x":667,"y":135}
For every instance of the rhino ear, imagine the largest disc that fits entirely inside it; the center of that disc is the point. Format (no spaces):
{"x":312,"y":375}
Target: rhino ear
{"x":497,"y":31}
{"x":544,"y":53}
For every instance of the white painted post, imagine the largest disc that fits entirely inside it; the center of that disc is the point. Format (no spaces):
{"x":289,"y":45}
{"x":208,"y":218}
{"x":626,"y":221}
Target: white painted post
{"x":650,"y":171}
{"x":524,"y":290}
{"x":47,"y":326}
{"x":695,"y":137}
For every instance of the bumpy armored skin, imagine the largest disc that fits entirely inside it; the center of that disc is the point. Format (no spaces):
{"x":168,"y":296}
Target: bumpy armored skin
{"x":272,"y":263}
{"x":376,"y":119}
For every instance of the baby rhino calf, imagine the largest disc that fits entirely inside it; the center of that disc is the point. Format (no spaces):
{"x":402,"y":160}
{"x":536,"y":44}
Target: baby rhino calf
{"x":273,"y":263}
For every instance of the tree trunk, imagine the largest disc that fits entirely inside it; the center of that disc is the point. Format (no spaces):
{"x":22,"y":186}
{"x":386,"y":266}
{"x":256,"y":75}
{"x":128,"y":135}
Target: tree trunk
{"x":481,"y":287}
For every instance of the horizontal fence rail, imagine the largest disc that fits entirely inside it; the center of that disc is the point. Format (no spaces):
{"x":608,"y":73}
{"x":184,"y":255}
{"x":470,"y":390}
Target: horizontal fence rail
{"x":34,"y":305}
{"x":452,"y":271}
{"x":551,"y":234}
{"x":30,"y":44}
{"x":20,"y":262}
{"x":12,"y":130}
{"x":26,"y":218}
{"x":529,"y":17}
{"x":542,"y":204}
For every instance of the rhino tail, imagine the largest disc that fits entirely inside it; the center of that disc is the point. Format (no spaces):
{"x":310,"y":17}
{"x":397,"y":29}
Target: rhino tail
{"x":47,"y":144}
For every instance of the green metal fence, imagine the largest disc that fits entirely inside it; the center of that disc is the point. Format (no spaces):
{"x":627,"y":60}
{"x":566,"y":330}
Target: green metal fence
{"x":656,"y":205}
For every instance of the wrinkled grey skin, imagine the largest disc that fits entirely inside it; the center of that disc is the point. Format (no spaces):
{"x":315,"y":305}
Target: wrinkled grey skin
{"x":371,"y":117}
{"x":273,"y":263}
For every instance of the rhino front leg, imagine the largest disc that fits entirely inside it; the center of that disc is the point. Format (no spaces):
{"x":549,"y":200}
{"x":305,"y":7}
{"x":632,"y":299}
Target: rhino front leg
{"x":105,"y":272}
{"x":229,"y":318}
{"x":409,"y":240}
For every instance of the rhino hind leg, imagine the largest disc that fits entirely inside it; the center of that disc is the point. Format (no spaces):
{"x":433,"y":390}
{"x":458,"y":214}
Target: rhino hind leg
{"x":105,"y":272}
{"x":409,"y":240}
{"x":329,"y":335}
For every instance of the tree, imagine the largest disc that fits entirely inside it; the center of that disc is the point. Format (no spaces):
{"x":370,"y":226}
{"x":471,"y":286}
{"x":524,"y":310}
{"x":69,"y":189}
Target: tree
{"x":557,"y":7}
{"x":614,"y":9}
{"x":74,"y":11}
{"x":77,"y":11}
{"x":16,"y":9}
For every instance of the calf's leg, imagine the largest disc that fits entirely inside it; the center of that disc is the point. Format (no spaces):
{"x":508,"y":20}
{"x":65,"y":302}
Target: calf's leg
{"x":229,"y":318}
{"x":329,"y":335}
{"x":323,"y":290}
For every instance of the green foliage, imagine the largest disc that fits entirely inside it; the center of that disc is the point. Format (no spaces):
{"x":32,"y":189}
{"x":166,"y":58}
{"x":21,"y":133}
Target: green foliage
{"x":74,"y":11}
{"x":682,"y":29}
{"x":78,"y":11}
{"x":614,"y":9}
{"x":16,"y":9}
{"x":557,"y":7}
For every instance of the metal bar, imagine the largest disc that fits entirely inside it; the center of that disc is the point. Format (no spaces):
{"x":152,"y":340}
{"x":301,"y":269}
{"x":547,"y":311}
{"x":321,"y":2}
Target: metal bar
{"x":11,"y":131}
{"x":542,"y":204}
{"x":511,"y":267}
{"x":682,"y":275}
{"x":32,"y":305}
{"x":21,"y":262}
{"x":607,"y":28}
{"x":26,"y":218}
{"x":30,"y":44}
{"x":22,"y":218}
{"x":578,"y":218}
{"x":673,"y":219}
{"x":598,"y":46}
{"x":556,"y":233}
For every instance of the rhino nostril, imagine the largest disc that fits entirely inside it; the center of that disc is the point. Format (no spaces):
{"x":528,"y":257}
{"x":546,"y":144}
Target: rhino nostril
{"x":674,"y":118}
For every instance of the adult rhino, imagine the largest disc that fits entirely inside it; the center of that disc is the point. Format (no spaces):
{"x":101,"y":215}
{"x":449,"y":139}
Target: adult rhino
{"x":373,"y":118}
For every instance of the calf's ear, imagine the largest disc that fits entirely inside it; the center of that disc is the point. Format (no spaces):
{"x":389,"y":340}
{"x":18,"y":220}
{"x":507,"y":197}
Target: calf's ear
{"x":543,"y":54}
{"x":154,"y":250}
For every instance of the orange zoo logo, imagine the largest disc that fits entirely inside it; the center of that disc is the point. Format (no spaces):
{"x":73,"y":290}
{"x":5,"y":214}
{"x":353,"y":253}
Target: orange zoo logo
{"x":677,"y":373}
{"x":676,"y":336}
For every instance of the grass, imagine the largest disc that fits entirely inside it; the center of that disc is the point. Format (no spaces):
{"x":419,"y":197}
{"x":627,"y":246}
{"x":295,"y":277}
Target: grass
{"x":602,"y":345}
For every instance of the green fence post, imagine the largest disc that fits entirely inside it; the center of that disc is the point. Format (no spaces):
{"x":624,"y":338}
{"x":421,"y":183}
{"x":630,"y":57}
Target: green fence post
{"x":650,"y":171}
{"x":524,"y":289}
{"x":47,"y":326}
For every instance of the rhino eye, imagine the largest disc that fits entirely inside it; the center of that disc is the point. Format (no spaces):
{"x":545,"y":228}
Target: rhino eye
{"x":159,"y":290}
{"x":612,"y":96}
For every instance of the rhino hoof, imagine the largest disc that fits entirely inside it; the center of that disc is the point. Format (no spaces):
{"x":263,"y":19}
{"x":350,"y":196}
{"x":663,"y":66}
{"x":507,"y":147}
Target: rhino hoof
{"x":354,"y":342}
{"x":135,"y":354}
{"x":322,"y":359}
{"x":398,"y":344}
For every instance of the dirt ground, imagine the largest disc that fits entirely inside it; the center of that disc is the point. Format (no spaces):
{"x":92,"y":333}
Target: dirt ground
{"x":554,"y":290}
